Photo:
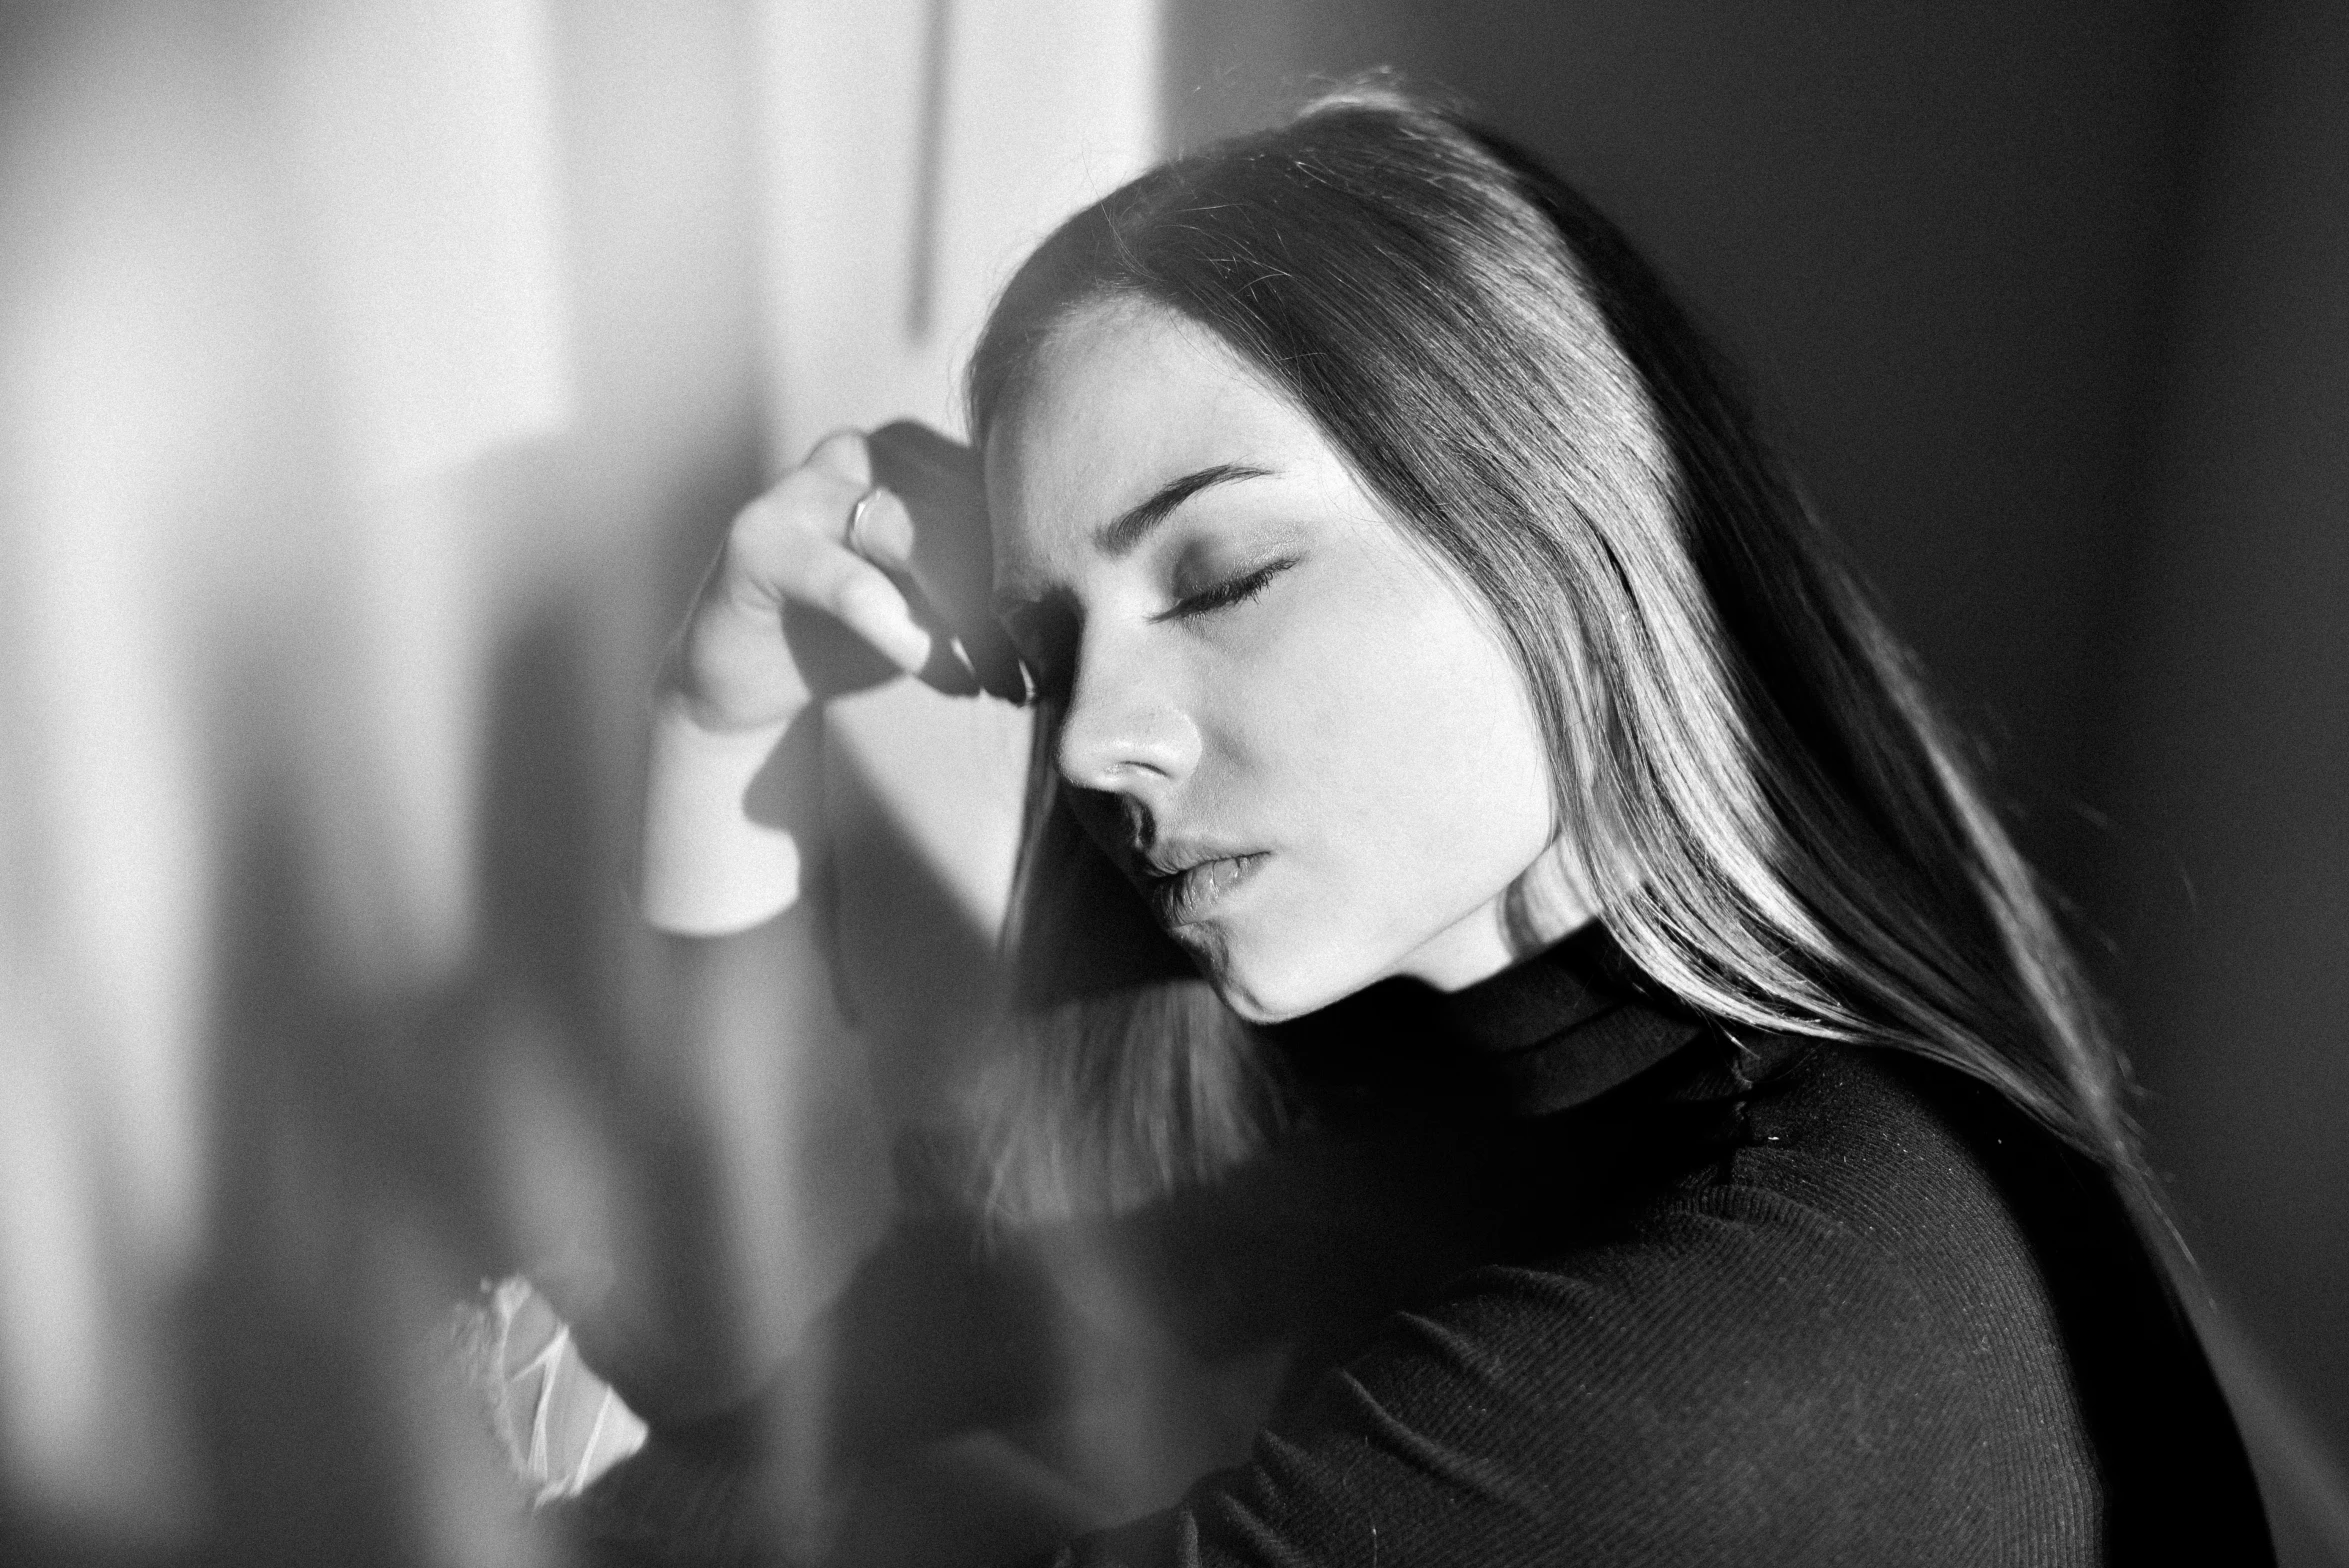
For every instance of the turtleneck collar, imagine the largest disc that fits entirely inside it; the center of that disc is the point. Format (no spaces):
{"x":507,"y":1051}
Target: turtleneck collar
{"x":1548,"y":1033}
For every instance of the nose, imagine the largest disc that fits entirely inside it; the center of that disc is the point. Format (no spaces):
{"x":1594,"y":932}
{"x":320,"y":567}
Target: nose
{"x":1126,"y":730}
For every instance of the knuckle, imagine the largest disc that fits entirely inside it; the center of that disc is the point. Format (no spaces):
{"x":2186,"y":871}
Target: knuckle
{"x":771,"y":551}
{"x":813,"y":496}
{"x":805,"y":501}
{"x":844,"y":453}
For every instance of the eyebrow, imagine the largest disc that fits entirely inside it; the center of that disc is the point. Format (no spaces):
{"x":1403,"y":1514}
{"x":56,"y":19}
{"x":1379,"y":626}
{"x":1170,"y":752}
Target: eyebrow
{"x":1122,"y":533}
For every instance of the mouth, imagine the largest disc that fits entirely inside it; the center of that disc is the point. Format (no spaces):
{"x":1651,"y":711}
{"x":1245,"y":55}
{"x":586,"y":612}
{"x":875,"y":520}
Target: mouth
{"x":1190,"y":895}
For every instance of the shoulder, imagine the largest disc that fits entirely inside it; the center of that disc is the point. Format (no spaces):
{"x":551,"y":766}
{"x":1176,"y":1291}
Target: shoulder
{"x":1828,"y":1333}
{"x":1741,"y":1374}
{"x":1874,"y":1221}
{"x":1836,"y":1327}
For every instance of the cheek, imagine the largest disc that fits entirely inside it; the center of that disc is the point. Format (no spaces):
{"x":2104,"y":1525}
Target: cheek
{"x":1450,"y":779}
{"x":1404,"y":757}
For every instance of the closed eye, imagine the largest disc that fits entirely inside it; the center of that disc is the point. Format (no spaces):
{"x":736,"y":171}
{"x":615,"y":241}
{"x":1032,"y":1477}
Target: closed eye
{"x":1224,"y":595}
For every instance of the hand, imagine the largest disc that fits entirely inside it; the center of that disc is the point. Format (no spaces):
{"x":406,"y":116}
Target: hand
{"x":790,"y":613}
{"x":559,"y":1424}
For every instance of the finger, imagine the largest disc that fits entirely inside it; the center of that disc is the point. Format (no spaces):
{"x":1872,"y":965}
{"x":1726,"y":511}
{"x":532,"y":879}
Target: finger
{"x":883,"y":533}
{"x":887,"y":535}
{"x":843,"y":454}
{"x":985,"y":659}
{"x":861,"y":596}
{"x":948,"y":670}
{"x":814,"y":499}
{"x":995,"y":661}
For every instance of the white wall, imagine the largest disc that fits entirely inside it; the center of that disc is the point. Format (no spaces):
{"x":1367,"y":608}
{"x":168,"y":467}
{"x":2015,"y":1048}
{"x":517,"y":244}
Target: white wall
{"x":374,"y":377}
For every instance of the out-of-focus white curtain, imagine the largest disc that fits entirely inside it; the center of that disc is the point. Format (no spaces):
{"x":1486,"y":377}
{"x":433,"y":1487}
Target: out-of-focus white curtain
{"x":374,"y":375}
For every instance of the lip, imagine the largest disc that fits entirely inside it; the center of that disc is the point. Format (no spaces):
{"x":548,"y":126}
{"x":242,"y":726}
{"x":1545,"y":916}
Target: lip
{"x":1187,"y":896}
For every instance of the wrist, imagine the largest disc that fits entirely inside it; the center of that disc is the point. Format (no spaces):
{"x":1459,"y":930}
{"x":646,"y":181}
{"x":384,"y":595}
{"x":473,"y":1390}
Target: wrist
{"x":713,"y":863}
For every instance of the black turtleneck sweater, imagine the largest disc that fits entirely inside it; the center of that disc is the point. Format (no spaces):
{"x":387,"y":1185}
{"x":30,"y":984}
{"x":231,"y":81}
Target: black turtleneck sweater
{"x":1568,"y":1275}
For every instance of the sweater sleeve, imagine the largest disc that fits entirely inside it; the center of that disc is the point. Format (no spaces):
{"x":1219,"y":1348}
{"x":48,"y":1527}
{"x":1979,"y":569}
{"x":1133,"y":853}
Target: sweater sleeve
{"x":936,"y":1335}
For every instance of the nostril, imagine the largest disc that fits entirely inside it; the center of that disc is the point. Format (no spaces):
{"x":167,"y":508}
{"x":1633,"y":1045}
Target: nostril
{"x":1119,"y":825}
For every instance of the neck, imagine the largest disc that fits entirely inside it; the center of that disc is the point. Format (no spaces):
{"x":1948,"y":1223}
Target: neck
{"x":1527,"y":917}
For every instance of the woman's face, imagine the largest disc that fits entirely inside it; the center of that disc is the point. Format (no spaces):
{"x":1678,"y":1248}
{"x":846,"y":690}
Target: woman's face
{"x":1292,"y":729}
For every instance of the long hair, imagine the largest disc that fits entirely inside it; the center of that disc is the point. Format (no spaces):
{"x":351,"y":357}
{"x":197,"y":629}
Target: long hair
{"x":1755,"y":790}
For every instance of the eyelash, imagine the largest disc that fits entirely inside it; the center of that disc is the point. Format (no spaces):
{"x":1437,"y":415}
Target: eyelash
{"x":1225,"y":595}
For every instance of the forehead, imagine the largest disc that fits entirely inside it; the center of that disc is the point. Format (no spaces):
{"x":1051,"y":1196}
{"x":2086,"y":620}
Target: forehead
{"x":1124,"y":398}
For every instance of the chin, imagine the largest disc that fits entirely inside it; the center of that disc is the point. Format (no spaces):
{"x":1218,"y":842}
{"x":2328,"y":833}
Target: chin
{"x":1267,"y":986}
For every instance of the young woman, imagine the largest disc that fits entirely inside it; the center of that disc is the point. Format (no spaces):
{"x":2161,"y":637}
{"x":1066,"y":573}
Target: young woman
{"x":1500,"y":922}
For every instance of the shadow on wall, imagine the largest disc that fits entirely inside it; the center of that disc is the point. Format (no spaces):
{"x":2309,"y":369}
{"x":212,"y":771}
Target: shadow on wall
{"x":380,"y":1156}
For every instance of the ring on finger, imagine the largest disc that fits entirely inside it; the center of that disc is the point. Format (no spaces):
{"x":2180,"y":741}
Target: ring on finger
{"x":856,"y":520}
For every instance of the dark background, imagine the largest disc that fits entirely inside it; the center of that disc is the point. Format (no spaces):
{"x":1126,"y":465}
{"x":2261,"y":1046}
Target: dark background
{"x":2048,"y":304}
